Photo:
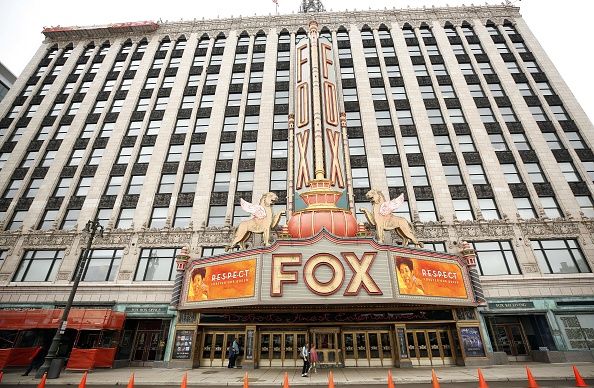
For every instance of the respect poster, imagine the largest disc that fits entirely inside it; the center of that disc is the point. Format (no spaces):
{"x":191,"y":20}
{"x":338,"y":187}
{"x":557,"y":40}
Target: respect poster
{"x":429,"y":278}
{"x":223,"y":281}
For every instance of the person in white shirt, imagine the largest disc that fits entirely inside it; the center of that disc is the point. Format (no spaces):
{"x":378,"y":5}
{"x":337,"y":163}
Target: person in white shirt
{"x":305,"y":357}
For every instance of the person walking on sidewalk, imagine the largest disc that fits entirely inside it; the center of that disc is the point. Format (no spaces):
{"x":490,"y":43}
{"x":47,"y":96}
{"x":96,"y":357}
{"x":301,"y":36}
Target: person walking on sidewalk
{"x":313,"y":359}
{"x":305,"y":357}
{"x":233,"y":353}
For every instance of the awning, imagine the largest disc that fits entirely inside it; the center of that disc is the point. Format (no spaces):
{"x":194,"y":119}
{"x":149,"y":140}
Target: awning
{"x":78,"y":319}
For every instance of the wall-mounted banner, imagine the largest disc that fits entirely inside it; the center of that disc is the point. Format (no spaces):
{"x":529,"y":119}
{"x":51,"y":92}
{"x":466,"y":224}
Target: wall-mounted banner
{"x":429,"y":278}
{"x":223,"y":281}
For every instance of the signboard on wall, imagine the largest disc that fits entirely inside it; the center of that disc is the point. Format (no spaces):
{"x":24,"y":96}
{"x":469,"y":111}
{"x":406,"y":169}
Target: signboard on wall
{"x":223,"y":281}
{"x":422,"y":277}
{"x":472,"y":342}
{"x":182,"y":348}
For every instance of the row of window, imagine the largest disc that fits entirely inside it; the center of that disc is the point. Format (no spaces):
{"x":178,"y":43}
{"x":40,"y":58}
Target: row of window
{"x":158,"y":264}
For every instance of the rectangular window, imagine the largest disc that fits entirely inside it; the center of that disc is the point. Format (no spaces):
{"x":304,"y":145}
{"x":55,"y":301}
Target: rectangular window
{"x":404,"y":117}
{"x":95,"y":157}
{"x":226,"y":151}
{"x":63,"y":187}
{"x":411,"y":144}
{"x":456,"y":116}
{"x":553,"y":141}
{"x":452,"y":174}
{"x":145,"y":154}
{"x":156,"y":264}
{"x":360,"y":177}
{"x":463,"y":210}
{"x":443,"y":143}
{"x":216,"y":215}
{"x":48,"y":158}
{"x":496,"y":258}
{"x":167,"y":183}
{"x":278,"y":180}
{"x":418,"y":176}
{"x":510,"y":173}
{"x":245,"y":181}
{"x":427,"y":92}
{"x":550,"y":207}
{"x":248,"y":150}
{"x":195,"y":153}
{"x":568,"y":171}
{"x":114,"y":185}
{"x":586,"y":205}
{"x":466,"y":144}
{"x":83,"y":186}
{"x":135,"y":186}
{"x":183,"y":216}
{"x":525,"y":208}
{"x":426,"y":209}
{"x":159,"y":217}
{"x":189,"y":183}
{"x":33,"y":188}
{"x":559,"y":256}
{"x":477,"y":174}
{"x":279,"y":149}
{"x":221,"y":182}
{"x":388,"y":146}
{"x":535,"y":173}
{"x":17,"y":220}
{"x":394,"y":177}
{"x":39,"y":266}
{"x":488,"y":208}
{"x":175,"y":153}
{"x":14,"y":187}
{"x":69,"y":221}
{"x":447,"y":91}
{"x":125,"y":219}
{"x":125,"y":155}
{"x":102,"y":265}
{"x":49,"y":219}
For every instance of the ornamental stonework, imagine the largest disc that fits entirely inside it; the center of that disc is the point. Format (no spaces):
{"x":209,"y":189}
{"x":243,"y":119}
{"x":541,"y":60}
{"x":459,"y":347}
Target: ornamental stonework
{"x":549,"y":229}
{"x":49,"y":240}
{"x":431,"y":231}
{"x":530,"y":268}
{"x":495,"y":229}
{"x":156,"y":238}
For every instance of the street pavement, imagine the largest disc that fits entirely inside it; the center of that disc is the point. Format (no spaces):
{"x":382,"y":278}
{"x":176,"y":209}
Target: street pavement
{"x":513,"y":375}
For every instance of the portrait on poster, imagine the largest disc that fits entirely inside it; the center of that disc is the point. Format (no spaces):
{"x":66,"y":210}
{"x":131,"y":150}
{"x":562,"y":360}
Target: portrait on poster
{"x":222,"y":281}
{"x":429,"y":278}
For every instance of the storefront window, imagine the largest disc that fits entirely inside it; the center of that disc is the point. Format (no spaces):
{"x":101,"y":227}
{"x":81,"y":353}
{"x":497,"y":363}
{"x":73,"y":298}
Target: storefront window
{"x":559,"y":256}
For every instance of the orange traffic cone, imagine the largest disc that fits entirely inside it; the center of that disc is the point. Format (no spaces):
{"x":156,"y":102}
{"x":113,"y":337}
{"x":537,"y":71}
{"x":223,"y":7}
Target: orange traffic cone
{"x":579,"y":381}
{"x":390,"y":379}
{"x":286,"y":381}
{"x":83,"y":381}
{"x":531,"y":381}
{"x":482,"y":382}
{"x":42,"y":382}
{"x":245,"y":381}
{"x":330,"y":380}
{"x":184,"y":382}
{"x":434,"y":381}
{"x":131,"y":381}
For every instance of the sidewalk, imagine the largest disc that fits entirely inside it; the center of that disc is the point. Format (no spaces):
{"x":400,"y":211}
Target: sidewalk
{"x":342,"y":376}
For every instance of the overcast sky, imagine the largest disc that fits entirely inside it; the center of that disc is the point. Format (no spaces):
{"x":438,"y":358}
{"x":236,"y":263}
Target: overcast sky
{"x":562,"y":28}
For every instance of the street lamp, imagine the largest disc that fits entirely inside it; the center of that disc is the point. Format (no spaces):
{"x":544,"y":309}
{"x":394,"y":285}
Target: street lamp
{"x":92,"y":227}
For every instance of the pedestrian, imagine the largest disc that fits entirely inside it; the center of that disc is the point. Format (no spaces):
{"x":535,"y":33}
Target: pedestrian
{"x":233,"y":353}
{"x":313,"y":358}
{"x":37,"y":360}
{"x":305,"y":357}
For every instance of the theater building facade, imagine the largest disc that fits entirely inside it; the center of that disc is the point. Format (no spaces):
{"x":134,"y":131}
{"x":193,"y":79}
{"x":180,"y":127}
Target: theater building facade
{"x":398,"y":188}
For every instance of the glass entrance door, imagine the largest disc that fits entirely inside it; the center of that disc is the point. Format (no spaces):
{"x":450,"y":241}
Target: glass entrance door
{"x":510,"y":338}
{"x":214,"y":348}
{"x":327,"y":347}
{"x":430,"y":347}
{"x":280,"y":349}
{"x":367,"y":348}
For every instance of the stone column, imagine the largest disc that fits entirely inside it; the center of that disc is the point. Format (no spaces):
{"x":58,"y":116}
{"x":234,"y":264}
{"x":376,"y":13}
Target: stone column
{"x":469,"y":255}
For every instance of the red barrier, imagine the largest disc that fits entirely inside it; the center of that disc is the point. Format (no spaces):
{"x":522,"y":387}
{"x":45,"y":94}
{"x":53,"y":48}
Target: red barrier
{"x":17,"y":356}
{"x":78,"y":319}
{"x":85,"y":359}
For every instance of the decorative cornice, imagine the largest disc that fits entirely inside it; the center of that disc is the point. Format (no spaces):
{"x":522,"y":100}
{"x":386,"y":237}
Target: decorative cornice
{"x":539,"y":228}
{"x":292,"y":22}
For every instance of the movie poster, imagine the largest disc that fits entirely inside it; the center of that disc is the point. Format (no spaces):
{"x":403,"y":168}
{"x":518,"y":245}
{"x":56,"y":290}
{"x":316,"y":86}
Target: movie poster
{"x":429,"y":278}
{"x":222,"y":281}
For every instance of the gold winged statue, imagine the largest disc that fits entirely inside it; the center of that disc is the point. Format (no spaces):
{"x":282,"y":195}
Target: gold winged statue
{"x":262,"y":220}
{"x":383,"y":219}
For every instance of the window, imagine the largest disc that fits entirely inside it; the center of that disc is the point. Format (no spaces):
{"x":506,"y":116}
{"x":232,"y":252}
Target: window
{"x":195,"y":153}
{"x":404,"y":117}
{"x":161,"y":103}
{"x":496,"y":258}
{"x":279,"y":149}
{"x":175,"y":153}
{"x":43,"y":133}
{"x":535,"y":173}
{"x":156,"y":264}
{"x":99,"y":106}
{"x":102,"y":265}
{"x":230,"y":123}
{"x":85,"y":86}
{"x":443,"y":143}
{"x":525,"y":208}
{"x":550,"y":207}
{"x":114,"y":185}
{"x":278,"y":180}
{"x":48,"y":158}
{"x":532,"y":67}
{"x":145,"y":154}
{"x":189,"y":183}
{"x":553,"y":141}
{"x":245,"y":181}
{"x":589,"y":166}
{"x":157,"y":63}
{"x":512,"y":67}
{"x":382,"y":118}
{"x":88,"y":131}
{"x":575,"y":140}
{"x":125,"y":155}
{"x":63,"y":187}
{"x":39,"y":266}
{"x":559,"y":112}
{"x":29,"y":159}
{"x":347,"y":73}
{"x":17,"y":220}
{"x":221,"y":182}
{"x":188,"y":102}
{"x":393,"y":71}
{"x":486,"y":115}
{"x":182,"y":217}
{"x":426,"y":210}
{"x":447,"y":91}
{"x":525,"y":89}
{"x":414,"y":51}
{"x":248,"y":150}
{"x":353,"y":119}
{"x":394,"y":177}
{"x":411,"y":145}
{"x":216,"y":215}
{"x":456,"y":116}
{"x":452,"y":174}
{"x":226,"y":151}
{"x":33,"y":188}
{"x":377,"y":93}
{"x":458,"y":49}
{"x":49,"y":218}
{"x":151,"y":83}
{"x":398,"y":93}
{"x":498,"y":142}
{"x":463,"y":210}
{"x":418,"y":176}
{"x":509,"y":116}
{"x":520,"y":141}
{"x":496,"y":90}
{"x":159,"y":217}
{"x":559,"y":256}
{"x":108,"y":86}
{"x":125,"y":219}
{"x":360,"y":177}
{"x":74,"y":107}
{"x":427,"y":92}
{"x":502,"y":48}
{"x":11,"y":191}
{"x":488,"y":208}
{"x":439,"y":69}
{"x":432,"y":50}
{"x":95,"y":157}
{"x":117,"y":106}
{"x":168,"y":82}
{"x":135,"y":186}
{"x":251,"y":122}
{"x":83,"y":186}
{"x":586,"y":205}
{"x":545,"y":88}
{"x":153,"y":127}
{"x":477,"y":174}
{"x":388,"y":146}
{"x":510,"y":173}
{"x":254,"y":98}
{"x":167,"y":183}
{"x":569,"y":172}
{"x":69,"y":221}
{"x":420,"y":70}
{"x":466,"y":144}
{"x":476,"y":49}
